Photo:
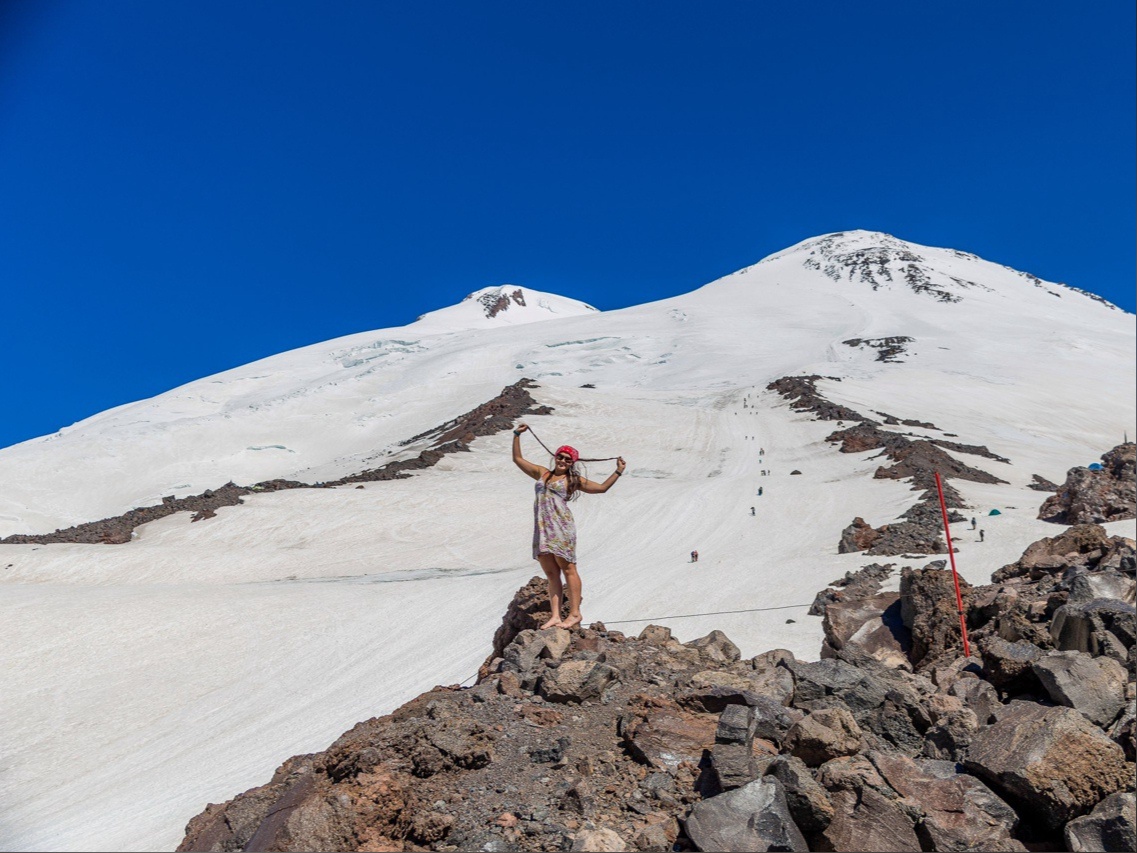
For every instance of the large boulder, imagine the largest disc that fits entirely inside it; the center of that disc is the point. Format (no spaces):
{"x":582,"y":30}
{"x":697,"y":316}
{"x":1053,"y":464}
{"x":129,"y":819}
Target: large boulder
{"x":1093,"y":497}
{"x":960,"y":812}
{"x":576,"y":680}
{"x":824,"y":735}
{"x":716,"y":646}
{"x":871,"y":625}
{"x":1050,"y":759}
{"x":1008,"y":665}
{"x":928,"y":609}
{"x":662,"y":735}
{"x":1102,"y":626}
{"x":1094,"y":686}
{"x":867,"y":814}
{"x":753,"y":817}
{"x":808,"y":802}
{"x":1110,"y":826}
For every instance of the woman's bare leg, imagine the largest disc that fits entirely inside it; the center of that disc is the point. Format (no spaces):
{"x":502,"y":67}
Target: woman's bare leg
{"x":572,"y":581}
{"x":556,"y":590}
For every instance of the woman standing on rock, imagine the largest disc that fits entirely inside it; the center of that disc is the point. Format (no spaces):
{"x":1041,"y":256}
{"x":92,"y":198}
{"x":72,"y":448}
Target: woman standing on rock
{"x":554,"y":531}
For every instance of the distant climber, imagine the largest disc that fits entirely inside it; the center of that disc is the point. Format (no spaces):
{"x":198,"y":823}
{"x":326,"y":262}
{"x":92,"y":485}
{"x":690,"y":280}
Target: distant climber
{"x":752,"y":510}
{"x":554,"y":529}
{"x":761,"y":451}
{"x":694,"y":556}
{"x":973,"y":524}
{"x":980,"y":535}
{"x":759,"y":491}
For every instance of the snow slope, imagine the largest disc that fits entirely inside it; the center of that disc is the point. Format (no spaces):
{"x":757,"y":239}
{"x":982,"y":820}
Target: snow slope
{"x":197,"y":657}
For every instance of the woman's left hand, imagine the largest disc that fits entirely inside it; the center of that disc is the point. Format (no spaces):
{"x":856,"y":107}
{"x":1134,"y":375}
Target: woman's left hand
{"x":620,"y":465}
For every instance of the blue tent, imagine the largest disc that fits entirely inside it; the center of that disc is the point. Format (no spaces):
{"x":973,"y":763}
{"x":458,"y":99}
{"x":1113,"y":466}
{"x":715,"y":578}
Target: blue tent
{"x":994,"y":512}
{"x":1094,"y":466}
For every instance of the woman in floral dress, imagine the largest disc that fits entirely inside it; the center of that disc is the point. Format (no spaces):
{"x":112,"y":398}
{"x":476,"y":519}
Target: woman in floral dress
{"x":554,"y":531}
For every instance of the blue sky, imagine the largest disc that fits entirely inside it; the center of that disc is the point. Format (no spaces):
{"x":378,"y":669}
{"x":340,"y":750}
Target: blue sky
{"x":186,"y":187}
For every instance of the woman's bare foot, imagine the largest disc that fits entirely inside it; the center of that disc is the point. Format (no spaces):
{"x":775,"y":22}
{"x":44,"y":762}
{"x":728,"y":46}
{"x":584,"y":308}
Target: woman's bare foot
{"x":570,"y":621}
{"x":554,"y":622}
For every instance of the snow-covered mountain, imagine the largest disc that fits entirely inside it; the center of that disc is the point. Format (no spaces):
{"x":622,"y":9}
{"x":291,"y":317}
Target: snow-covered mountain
{"x":173,"y":670}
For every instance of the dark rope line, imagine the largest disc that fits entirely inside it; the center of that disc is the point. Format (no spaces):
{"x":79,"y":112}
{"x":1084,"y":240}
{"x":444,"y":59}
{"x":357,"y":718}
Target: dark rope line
{"x":605,"y":459}
{"x":715,"y":613}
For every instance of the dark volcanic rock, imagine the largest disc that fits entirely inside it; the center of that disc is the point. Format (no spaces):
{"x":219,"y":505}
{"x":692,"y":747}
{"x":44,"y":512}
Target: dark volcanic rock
{"x":754,"y":817}
{"x":960,"y":812}
{"x":808,"y":802}
{"x":1110,"y":826}
{"x":1009,"y":666}
{"x":1051,"y":760}
{"x":1094,"y":686}
{"x":928,"y":609}
{"x":1092,"y":497}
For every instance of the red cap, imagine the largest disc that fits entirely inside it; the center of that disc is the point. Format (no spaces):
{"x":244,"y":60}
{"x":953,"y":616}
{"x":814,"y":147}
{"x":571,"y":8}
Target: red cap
{"x":571,"y":451}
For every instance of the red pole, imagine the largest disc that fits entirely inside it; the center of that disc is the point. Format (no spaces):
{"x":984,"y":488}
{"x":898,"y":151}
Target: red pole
{"x":954,"y":573}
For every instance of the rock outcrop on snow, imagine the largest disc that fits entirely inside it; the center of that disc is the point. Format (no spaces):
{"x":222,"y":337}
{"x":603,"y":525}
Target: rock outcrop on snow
{"x":493,"y":416}
{"x":592,"y":740}
{"x":1094,"y":497}
{"x":915,"y":459}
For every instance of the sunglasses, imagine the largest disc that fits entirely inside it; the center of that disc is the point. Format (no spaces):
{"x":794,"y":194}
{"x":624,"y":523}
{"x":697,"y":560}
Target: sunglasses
{"x":561,"y":457}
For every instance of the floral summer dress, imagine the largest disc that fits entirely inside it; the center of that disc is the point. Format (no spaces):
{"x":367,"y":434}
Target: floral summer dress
{"x":554,"y":531}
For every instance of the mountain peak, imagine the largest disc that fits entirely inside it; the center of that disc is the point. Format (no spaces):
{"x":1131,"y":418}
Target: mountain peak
{"x":505,"y":304}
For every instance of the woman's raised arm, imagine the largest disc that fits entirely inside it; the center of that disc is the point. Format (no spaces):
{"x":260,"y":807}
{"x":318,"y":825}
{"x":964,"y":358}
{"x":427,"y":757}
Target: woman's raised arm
{"x":534,"y":471}
{"x":591,"y":488}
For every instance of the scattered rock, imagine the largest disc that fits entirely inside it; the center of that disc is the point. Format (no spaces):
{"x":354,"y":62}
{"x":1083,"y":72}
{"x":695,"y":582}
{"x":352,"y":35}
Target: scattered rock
{"x":1093,"y":497}
{"x":1050,"y":759}
{"x":1094,"y":686}
{"x":824,"y":735}
{"x":576,"y":681}
{"x":1110,"y":826}
{"x":716,"y":646}
{"x":1008,"y":666}
{"x":753,"y":817}
{"x":808,"y":802}
{"x":597,"y":840}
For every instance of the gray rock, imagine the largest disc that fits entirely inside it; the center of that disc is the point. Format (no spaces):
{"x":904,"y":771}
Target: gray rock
{"x":1094,"y":686}
{"x":1124,"y":731}
{"x":960,"y":812}
{"x":824,"y":735}
{"x":657,"y":635}
{"x":754,"y":817}
{"x":950,"y":737}
{"x":1086,"y":586}
{"x":1101,"y":626}
{"x":772,"y":720}
{"x":1052,"y":760}
{"x":576,"y":680}
{"x":978,"y":696}
{"x":521,"y":655}
{"x":733,"y":765}
{"x":1110,"y":826}
{"x":1008,"y":665}
{"x":808,"y":802}
{"x":736,"y":725}
{"x":717,"y":647}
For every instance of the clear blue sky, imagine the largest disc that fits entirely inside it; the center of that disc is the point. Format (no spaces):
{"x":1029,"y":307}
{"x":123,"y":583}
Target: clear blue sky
{"x":188,"y":186}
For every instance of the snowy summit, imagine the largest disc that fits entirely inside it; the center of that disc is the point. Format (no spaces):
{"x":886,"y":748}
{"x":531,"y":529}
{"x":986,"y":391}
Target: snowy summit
{"x":505,"y":305}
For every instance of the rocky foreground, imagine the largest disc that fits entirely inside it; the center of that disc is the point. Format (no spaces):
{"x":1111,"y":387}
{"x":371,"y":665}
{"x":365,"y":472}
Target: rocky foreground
{"x":894,"y":740}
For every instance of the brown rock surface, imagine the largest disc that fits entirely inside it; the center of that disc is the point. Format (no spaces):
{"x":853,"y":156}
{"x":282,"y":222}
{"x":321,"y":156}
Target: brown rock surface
{"x":1093,"y":497}
{"x":1049,"y":759}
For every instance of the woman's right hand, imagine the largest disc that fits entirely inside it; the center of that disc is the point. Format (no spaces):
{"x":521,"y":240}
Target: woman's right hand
{"x":521,"y":428}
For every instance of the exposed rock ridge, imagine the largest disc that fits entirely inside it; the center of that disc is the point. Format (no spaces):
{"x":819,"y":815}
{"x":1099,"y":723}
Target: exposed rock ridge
{"x":888,"y":349}
{"x":454,"y":436}
{"x":591,"y":740}
{"x":1093,"y":497}
{"x":915,"y":459}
